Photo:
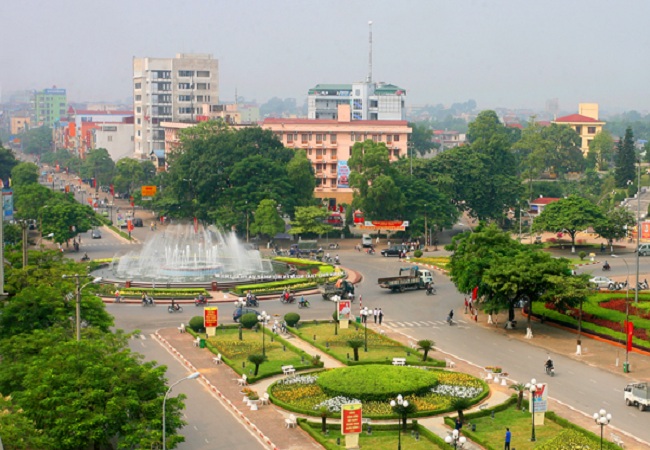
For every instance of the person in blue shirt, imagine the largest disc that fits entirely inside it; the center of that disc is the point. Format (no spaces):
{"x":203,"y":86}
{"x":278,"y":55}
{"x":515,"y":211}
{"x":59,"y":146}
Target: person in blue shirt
{"x":508,"y":439}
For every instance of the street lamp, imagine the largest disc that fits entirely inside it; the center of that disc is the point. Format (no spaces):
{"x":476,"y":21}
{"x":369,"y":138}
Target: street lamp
{"x":189,"y":377}
{"x":263,"y":318}
{"x":77,"y":278}
{"x":532,"y":388}
{"x":638,"y":228}
{"x":400,"y":406}
{"x":364,"y":315}
{"x":335,"y":299}
{"x":602,"y":418}
{"x":626,"y":367}
{"x":456,"y":439}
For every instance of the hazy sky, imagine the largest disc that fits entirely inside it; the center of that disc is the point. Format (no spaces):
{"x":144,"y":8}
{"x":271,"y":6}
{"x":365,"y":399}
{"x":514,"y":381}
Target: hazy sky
{"x":511,"y":53}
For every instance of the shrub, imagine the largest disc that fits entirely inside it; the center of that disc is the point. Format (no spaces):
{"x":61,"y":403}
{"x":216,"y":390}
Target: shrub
{"x":417,"y":253}
{"x":582,"y":255}
{"x":248,"y":320}
{"x":196,"y":324}
{"x":292,"y":319}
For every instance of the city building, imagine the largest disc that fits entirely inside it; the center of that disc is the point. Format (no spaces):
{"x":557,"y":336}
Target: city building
{"x":585,"y":123}
{"x":449,"y":139}
{"x":328,"y":144}
{"x":19,"y":124}
{"x":367,"y":100}
{"x":48,"y":106}
{"x":170,"y":90}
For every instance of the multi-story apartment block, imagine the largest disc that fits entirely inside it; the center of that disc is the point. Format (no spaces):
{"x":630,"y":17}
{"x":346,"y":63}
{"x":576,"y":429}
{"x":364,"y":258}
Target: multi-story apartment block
{"x":367,"y":100}
{"x":170,"y":90}
{"x":585,"y":123}
{"x":48,"y":106}
{"x":328,"y":144}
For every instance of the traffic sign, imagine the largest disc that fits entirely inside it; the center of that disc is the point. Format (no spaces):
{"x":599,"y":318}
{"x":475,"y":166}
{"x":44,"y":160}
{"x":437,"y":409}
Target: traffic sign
{"x":148,"y":191}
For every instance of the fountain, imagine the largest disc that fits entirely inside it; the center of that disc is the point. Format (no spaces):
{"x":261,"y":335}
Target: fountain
{"x":185,"y":253}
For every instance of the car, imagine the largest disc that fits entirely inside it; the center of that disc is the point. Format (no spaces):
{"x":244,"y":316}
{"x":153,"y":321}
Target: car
{"x":603,"y":282}
{"x":644,"y":249}
{"x":137,"y":222}
{"x":237,"y":313}
{"x":96,"y":234}
{"x":395,"y":250}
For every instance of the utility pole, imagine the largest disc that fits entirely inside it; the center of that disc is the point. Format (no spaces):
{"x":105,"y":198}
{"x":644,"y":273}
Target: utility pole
{"x":2,"y":260}
{"x":638,"y":227}
{"x":23,"y":225}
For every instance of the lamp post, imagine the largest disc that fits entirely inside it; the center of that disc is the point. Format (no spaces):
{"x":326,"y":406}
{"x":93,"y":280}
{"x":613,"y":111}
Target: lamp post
{"x":638,"y":227}
{"x":602,"y":418}
{"x":364,"y":315}
{"x":335,"y":299}
{"x":456,"y":439}
{"x":626,"y":367}
{"x":189,"y":377}
{"x":77,"y":278}
{"x":399,"y":405}
{"x":263,"y":318}
{"x":532,"y":388}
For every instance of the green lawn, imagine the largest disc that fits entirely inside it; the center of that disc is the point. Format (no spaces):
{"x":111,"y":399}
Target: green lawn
{"x":278,"y":351}
{"x":380,"y":348}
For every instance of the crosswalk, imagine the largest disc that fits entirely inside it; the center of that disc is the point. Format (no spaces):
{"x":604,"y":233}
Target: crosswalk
{"x":423,"y":323}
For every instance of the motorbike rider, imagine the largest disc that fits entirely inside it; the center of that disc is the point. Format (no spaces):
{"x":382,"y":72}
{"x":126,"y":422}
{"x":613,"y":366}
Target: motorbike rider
{"x":174,"y":305}
{"x":201,"y":298}
{"x":336,"y":259}
{"x":302,"y":302}
{"x":549,"y":364}
{"x":429,"y":287}
{"x":450,"y":317}
{"x":85,"y":257}
{"x":606,"y":266}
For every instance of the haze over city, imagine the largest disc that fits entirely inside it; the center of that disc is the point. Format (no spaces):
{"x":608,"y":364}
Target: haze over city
{"x":501,"y":53}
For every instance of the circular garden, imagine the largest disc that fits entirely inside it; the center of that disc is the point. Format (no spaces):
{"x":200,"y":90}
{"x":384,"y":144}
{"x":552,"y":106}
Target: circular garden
{"x":430,"y":391}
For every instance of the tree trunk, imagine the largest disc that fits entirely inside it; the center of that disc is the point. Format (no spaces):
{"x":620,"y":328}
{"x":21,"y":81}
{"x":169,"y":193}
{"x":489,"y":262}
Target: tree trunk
{"x":520,"y":399}
{"x":257,"y":367}
{"x":323,"y":420}
{"x":511,"y":311}
{"x":356,"y":354}
{"x":426,"y":353}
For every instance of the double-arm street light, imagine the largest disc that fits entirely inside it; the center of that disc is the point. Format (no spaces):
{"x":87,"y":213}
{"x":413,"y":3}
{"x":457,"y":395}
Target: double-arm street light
{"x":456,"y":439}
{"x":364,"y":317}
{"x":532,"y":388}
{"x":77,"y":278}
{"x":263,"y":317}
{"x":400,"y":406}
{"x":626,"y":367}
{"x":602,"y":418}
{"x":164,"y":435}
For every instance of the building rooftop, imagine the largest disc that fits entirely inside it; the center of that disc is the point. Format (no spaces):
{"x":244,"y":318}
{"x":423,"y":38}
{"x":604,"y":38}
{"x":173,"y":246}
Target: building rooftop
{"x":576,"y":118}
{"x":273,"y":120}
{"x":385,"y":89}
{"x":544,"y":200}
{"x":330,"y":87}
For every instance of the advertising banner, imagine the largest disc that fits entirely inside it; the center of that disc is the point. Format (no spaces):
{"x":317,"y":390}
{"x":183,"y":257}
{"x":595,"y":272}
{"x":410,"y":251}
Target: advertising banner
{"x":211,"y":316}
{"x":343,"y":174}
{"x":540,"y":399}
{"x":148,"y":191}
{"x":7,"y":204}
{"x":351,"y":420}
{"x":388,"y":225}
{"x":344,"y":309}
{"x":629,"y":328}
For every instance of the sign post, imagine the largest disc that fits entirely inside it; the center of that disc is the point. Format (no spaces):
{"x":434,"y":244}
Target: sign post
{"x":539,"y":405}
{"x":351,"y":424}
{"x":344,"y":307}
{"x":211,"y":320}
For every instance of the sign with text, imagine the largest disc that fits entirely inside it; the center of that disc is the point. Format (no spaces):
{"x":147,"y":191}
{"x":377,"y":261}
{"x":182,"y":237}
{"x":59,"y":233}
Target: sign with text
{"x":148,"y":191}
{"x":351,"y":420}
{"x":388,"y":225}
{"x":345,"y":310}
{"x":540,"y":399}
{"x":211,"y":319}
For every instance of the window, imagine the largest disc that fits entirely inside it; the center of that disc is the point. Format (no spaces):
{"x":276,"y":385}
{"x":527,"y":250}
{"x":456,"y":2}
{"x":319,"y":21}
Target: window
{"x":319,"y":152}
{"x":203,"y":86}
{"x":319,"y":138}
{"x":396,"y":153}
{"x":185,"y":73}
{"x":304,"y":138}
{"x":199,"y":98}
{"x":289,"y":138}
{"x":396,"y":138}
{"x":138,"y":85}
{"x":579,"y":129}
{"x":139,"y":133}
{"x":184,"y":86}
{"x":202,"y":73}
{"x":184,"y":98}
{"x":138,"y":109}
{"x":374,"y":138}
{"x":110,"y":138}
{"x":591,"y":130}
{"x":357,"y":103}
{"x":139,"y":122}
{"x":333,"y":138}
{"x":138,"y":98}
{"x":333,"y":153}
{"x":309,"y":152}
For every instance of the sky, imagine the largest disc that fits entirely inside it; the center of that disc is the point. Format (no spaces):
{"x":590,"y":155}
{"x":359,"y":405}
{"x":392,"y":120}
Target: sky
{"x":501,"y":53}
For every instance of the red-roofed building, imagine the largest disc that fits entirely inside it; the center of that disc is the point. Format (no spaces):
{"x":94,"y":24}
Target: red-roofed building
{"x":585,"y":123}
{"x":538,"y":205}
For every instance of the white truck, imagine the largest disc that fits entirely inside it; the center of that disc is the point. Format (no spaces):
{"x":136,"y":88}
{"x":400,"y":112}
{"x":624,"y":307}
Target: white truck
{"x":637,"y":394}
{"x":416,"y":279}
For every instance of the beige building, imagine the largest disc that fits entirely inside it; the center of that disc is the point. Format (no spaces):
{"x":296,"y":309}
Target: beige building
{"x":585,"y":123}
{"x":328,"y":143}
{"x":170,"y":90}
{"x":19,"y":124}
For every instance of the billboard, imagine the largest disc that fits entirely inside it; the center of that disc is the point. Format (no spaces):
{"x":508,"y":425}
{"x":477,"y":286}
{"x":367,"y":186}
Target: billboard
{"x":344,"y":309}
{"x":351,"y":420}
{"x":343,"y":174}
{"x":7,"y":204}
{"x":211,"y":316}
{"x":148,"y":191}
{"x":540,"y":399}
{"x":388,"y":225}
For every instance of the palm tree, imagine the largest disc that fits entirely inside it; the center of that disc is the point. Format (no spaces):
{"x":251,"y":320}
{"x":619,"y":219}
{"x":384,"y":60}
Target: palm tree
{"x":356,"y":343}
{"x":426,"y":345}
{"x":519,"y":388}
{"x":257,"y":359}
{"x":323,"y":417}
{"x":459,"y":404}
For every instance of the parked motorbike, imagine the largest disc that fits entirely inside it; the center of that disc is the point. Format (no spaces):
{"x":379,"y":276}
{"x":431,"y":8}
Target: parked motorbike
{"x":198,"y":301}
{"x":175,"y":308}
{"x":148,"y":301}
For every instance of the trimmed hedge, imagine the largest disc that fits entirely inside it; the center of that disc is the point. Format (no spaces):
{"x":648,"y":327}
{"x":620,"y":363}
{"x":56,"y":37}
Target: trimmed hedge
{"x":292,"y":319}
{"x":376,"y":382}
{"x":196,"y":324}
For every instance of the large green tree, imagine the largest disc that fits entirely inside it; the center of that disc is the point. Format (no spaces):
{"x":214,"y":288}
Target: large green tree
{"x":420,"y":139}
{"x":267,"y":219}
{"x":24,"y":174}
{"x":7,"y":162}
{"x":601,"y":149}
{"x":614,"y":225}
{"x":131,"y":174}
{"x":98,"y":165}
{"x":37,"y":141}
{"x":309,"y":220}
{"x":625,"y":160}
{"x":570,"y":215}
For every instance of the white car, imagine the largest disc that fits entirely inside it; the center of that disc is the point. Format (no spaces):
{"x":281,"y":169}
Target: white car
{"x":603,"y":282}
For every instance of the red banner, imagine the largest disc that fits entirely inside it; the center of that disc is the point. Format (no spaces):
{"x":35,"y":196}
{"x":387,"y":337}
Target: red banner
{"x":351,"y":419}
{"x":211,"y":317}
{"x":112,"y":188}
{"x":629,"y":327}
{"x":475,"y":293}
{"x":129,"y":225}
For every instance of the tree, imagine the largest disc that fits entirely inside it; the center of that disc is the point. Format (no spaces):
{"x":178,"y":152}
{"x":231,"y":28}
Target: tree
{"x":519,"y":388}
{"x":355,"y":344}
{"x":267,"y":219}
{"x":570,"y":214}
{"x":309,"y":220}
{"x":614,"y":225}
{"x":30,"y":200}
{"x":66,"y":218}
{"x":625,"y":159}
{"x":24,"y":173}
{"x":37,"y":141}
{"x":426,"y":345}
{"x":7,"y":162}
{"x":98,"y":165}
{"x":301,"y":176}
{"x":257,"y":359}
{"x":460,"y":404}
{"x":602,"y":146}
{"x":19,"y":431}
{"x":130,"y":174}
{"x":420,"y":139}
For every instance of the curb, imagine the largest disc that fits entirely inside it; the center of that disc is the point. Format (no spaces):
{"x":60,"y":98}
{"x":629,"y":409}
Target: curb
{"x":213,"y":388}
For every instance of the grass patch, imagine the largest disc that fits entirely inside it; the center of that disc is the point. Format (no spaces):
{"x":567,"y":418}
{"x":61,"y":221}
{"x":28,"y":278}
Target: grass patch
{"x":438,"y":261}
{"x":381,"y":349}
{"x":278,"y":351}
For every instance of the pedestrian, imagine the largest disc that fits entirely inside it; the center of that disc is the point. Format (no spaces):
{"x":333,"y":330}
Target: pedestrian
{"x":117,"y":295}
{"x":459,"y":424}
{"x":377,"y":240}
{"x":466,"y":305}
{"x":602,"y":247}
{"x":388,"y":244}
{"x":375,"y":313}
{"x":380,"y":315}
{"x":508,"y":439}
{"x":476,"y":315}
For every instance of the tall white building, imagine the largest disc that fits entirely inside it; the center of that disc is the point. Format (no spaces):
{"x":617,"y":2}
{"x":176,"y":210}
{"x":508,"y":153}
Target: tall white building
{"x":170,"y":90}
{"x":367,"y":100}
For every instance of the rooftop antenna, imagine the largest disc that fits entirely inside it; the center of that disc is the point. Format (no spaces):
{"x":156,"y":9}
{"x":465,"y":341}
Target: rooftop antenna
{"x":370,"y":51}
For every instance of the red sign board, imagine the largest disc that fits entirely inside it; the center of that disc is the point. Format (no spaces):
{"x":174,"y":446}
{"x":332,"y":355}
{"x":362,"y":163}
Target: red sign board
{"x":211,"y":317}
{"x":351,"y":422}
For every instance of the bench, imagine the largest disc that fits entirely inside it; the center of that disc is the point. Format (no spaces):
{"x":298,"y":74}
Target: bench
{"x":243,"y":381}
{"x":483,"y":406}
{"x":196,"y":342}
{"x":181,"y":329}
{"x":399,"y":361}
{"x":217,"y":359}
{"x":617,"y":440}
{"x":413,"y":345}
{"x":288,"y":370}
{"x":449,"y":363}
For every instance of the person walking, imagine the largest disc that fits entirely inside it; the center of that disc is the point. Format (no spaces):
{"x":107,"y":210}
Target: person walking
{"x":466,"y":305}
{"x":375,"y":313}
{"x":380,"y":315}
{"x":508,"y":439}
